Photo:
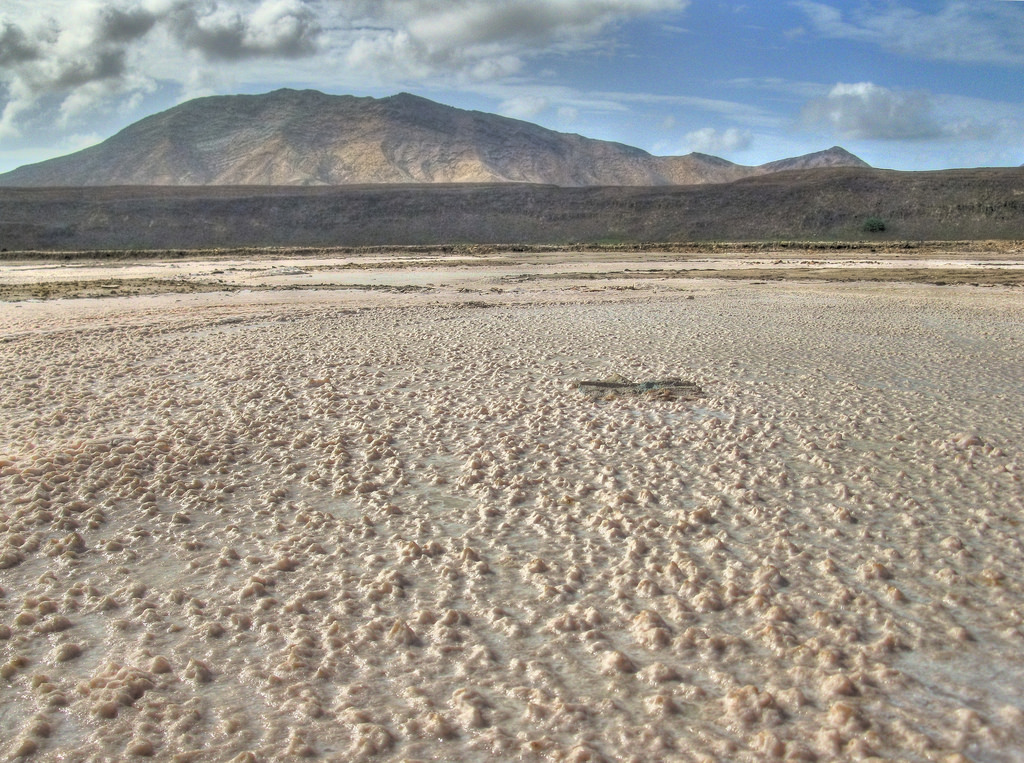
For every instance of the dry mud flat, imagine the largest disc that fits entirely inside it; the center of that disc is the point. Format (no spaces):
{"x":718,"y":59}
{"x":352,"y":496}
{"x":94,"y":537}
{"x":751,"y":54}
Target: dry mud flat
{"x":354,"y":526}
{"x":27,"y":276}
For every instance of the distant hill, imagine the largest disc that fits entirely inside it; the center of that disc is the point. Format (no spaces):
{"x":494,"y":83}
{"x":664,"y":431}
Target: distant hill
{"x":291,"y":137}
{"x":833,"y":157}
{"x":819,"y":204}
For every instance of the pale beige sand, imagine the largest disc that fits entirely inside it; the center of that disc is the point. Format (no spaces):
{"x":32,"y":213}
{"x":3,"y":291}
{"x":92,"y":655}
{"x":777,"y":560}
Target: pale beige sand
{"x":80,"y":276}
{"x":360,"y":525}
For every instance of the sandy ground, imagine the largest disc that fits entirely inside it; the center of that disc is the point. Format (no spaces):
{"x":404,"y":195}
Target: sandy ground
{"x":83,"y":276}
{"x":383,"y":523}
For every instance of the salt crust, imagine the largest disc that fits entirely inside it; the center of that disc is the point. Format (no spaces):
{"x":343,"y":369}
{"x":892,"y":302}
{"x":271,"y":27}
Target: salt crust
{"x":249,"y":531}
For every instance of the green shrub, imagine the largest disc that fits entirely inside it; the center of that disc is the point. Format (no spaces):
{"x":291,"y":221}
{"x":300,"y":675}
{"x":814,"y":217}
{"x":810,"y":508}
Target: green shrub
{"x":873,"y":225}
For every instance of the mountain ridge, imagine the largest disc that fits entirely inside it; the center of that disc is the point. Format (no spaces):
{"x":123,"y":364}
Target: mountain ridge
{"x":305,"y":137}
{"x":825,"y":204}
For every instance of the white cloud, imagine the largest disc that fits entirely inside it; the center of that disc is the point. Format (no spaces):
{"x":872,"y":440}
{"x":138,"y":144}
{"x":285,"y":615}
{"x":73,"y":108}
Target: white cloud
{"x":964,"y":32}
{"x":463,"y":37}
{"x":70,"y":57}
{"x":867,"y":111}
{"x":524,"y":106}
{"x":230,"y":32}
{"x":75,"y":57}
{"x":870,"y":111}
{"x":708,"y":140}
{"x":979,"y":120}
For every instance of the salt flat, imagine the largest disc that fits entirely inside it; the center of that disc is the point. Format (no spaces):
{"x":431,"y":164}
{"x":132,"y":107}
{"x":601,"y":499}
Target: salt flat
{"x":356,"y":523}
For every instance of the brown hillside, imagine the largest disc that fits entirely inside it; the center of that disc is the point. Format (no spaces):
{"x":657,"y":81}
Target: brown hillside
{"x":291,"y":137}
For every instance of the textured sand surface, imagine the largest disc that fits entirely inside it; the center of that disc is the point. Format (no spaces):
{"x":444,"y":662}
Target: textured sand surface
{"x":361,"y":525}
{"x":493,"y":269}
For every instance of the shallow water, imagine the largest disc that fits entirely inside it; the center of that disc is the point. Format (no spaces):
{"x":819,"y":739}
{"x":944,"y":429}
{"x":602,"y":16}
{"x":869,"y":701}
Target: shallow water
{"x":346,"y":527}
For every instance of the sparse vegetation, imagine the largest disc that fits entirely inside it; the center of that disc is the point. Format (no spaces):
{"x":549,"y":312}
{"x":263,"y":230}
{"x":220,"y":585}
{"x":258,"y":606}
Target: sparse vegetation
{"x":803,"y":205}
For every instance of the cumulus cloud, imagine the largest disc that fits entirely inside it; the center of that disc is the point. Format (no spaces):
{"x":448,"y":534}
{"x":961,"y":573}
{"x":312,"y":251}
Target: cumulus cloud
{"x":711,"y":141}
{"x":965,"y":32}
{"x":123,"y":25}
{"x":87,"y":53}
{"x":15,"y":46}
{"x":277,"y":28}
{"x":867,"y":111}
{"x":467,"y":22}
{"x":478,"y":39}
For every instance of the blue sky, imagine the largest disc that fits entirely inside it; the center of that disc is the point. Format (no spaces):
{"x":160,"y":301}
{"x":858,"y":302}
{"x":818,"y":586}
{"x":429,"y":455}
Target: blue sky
{"x":903,"y":84}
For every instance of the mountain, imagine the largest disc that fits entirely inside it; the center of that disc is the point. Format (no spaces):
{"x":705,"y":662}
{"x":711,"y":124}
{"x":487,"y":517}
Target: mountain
{"x":291,"y":137}
{"x":833,"y":157}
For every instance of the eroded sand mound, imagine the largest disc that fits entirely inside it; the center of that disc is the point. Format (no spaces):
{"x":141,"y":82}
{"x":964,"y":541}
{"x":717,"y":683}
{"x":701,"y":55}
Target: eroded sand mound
{"x":389,"y":533}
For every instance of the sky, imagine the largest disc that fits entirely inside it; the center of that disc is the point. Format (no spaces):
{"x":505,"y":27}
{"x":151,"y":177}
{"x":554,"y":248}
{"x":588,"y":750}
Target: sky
{"x":904,"y":84}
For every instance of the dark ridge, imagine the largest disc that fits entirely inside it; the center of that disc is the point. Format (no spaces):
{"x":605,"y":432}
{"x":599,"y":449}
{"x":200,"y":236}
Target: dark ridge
{"x":799,"y":205}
